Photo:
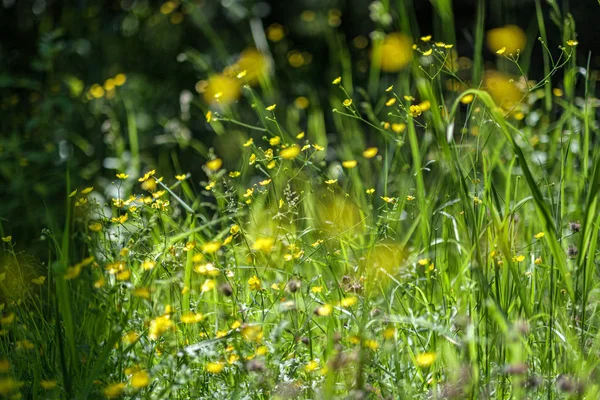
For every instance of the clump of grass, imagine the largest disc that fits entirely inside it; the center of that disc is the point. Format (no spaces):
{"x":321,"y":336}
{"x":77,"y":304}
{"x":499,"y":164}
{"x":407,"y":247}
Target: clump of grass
{"x":442,"y":245}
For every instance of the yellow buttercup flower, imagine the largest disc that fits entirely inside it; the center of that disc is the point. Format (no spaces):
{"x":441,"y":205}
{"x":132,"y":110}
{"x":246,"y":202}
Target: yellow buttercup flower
{"x":370,"y":152}
{"x":290,"y":152}
{"x":114,"y":390}
{"x":511,"y":38}
{"x":396,"y":52}
{"x":222,"y":89}
{"x":425,"y":359}
{"x":255,"y":64}
{"x":254,"y":283}
{"x":349,"y":164}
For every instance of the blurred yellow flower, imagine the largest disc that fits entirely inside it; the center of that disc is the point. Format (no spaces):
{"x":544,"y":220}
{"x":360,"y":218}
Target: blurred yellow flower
{"x":510,"y":37}
{"x":275,"y":32}
{"x":370,"y":152}
{"x":396,"y":52}
{"x":140,"y":379}
{"x":290,"y":152}
{"x":159,"y":326}
{"x":425,"y":359}
{"x":222,"y":89}
{"x":255,"y":64}
{"x":114,"y":390}
{"x":349,"y":164}
{"x":254,"y":283}
{"x":214,"y":165}
{"x":502,"y":88}
{"x":215,"y":367}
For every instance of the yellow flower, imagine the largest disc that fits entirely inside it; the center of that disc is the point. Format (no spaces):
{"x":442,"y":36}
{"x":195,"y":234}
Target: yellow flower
{"x":337,"y":80}
{"x":348,"y":301}
{"x":214,"y":165}
{"x":97,"y":91}
{"x":274,"y":141}
{"x":191,"y":318}
{"x":539,"y":235}
{"x":140,"y":379}
{"x":4,"y":365}
{"x":324,"y":310}
{"x":254,"y":283}
{"x":311,"y":366}
{"x":572,"y":43}
{"x":347,"y":102}
{"x":519,"y":258}
{"x":425,"y":359}
{"x":255,"y":64}
{"x":8,"y":385}
{"x":290,"y":152}
{"x":370,"y":152}
{"x":143,"y":293}
{"x":390,"y":102}
{"x":208,"y":285}
{"x":501,"y":50}
{"x":271,"y":107}
{"x":466,"y":99}
{"x":510,"y":37}
{"x":502,"y":88}
{"x":208,"y":116}
{"x":8,"y":319}
{"x":389,"y":89}
{"x":214,"y":367}
{"x":316,"y":289}
{"x":147,"y":176}
{"x":148,"y":265}
{"x":428,"y":52}
{"x":120,"y":79}
{"x":211,"y":247}
{"x":301,"y":102}
{"x":252,"y":333}
{"x":275,"y":32}
{"x":396,"y":52}
{"x":7,"y":239}
{"x":370,"y":191}
{"x":122,"y":175}
{"x":399,"y":128}
{"x":95,"y":226}
{"x":39,"y":280}
{"x":415,"y":111}
{"x":265,"y":182}
{"x":538,"y":261}
{"x":410,"y":198}
{"x":124,"y":275}
{"x":48,"y":385}
{"x":331,"y":181}
{"x":114,"y":390}
{"x":223,"y":89}
{"x":159,"y":326}
{"x":87,"y":190}
{"x":389,"y":332}
{"x":388,"y":199}
{"x":349,"y":164}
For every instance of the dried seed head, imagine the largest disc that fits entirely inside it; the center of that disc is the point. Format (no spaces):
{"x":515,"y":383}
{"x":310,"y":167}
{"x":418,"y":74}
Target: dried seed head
{"x":572,"y":251}
{"x":293,"y":285}
{"x":575,"y":226}
{"x":226,"y":289}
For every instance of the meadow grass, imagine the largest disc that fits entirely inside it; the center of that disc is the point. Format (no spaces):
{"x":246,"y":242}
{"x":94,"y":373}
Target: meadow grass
{"x":442,"y":244}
